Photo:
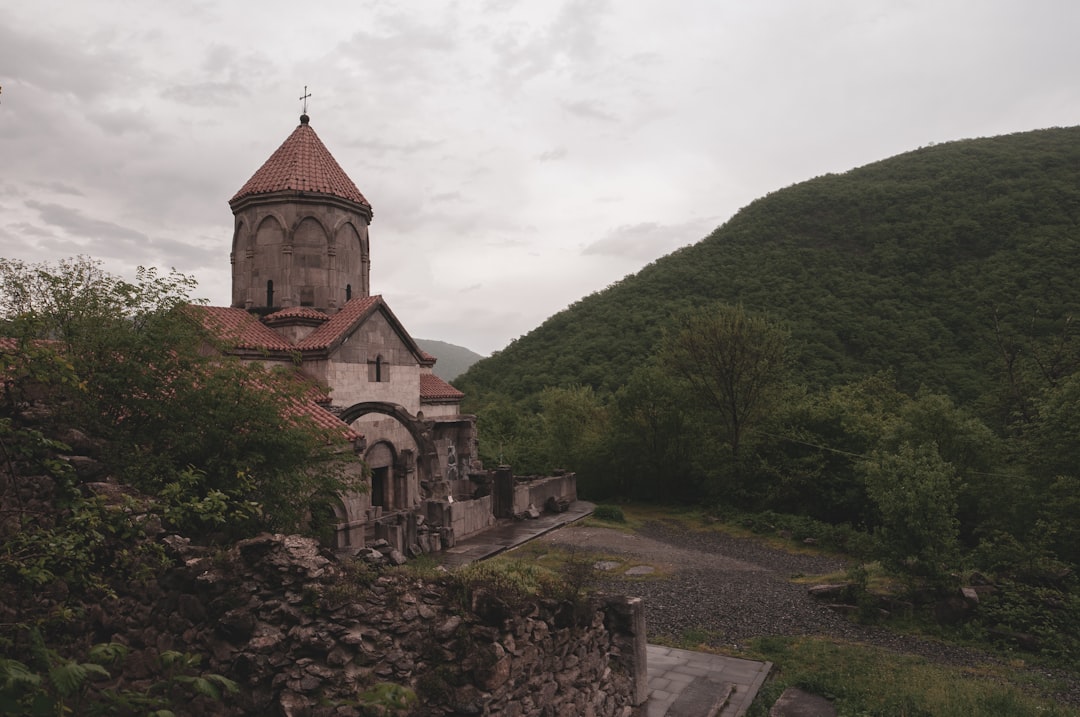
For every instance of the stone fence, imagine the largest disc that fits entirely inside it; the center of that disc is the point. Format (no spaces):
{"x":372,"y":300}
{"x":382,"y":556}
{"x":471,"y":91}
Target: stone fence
{"x":305,"y":634}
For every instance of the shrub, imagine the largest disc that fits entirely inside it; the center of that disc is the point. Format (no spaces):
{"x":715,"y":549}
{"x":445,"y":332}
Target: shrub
{"x":611,"y":513}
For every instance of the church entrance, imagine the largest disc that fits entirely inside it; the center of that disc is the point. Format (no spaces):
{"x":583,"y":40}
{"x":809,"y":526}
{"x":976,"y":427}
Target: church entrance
{"x":380,"y":459}
{"x":379,"y":479}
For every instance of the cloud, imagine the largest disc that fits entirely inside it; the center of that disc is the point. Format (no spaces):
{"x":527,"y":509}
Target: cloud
{"x":79,"y":70}
{"x":647,"y":241}
{"x":207,"y":94}
{"x":587,"y":109}
{"x":552,"y":155}
{"x":55,"y":187}
{"x":75,"y":222}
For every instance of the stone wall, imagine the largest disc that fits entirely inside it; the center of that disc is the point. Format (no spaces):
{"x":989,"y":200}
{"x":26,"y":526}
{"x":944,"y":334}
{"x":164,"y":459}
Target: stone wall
{"x":535,"y":492}
{"x":471,"y":517}
{"x":305,"y":634}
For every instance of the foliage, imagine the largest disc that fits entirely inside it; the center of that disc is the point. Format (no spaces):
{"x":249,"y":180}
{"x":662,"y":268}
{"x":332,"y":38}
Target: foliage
{"x":576,"y":433}
{"x":611,"y":513}
{"x":55,"y":685}
{"x":386,"y":699}
{"x":512,"y":580}
{"x":216,"y":440}
{"x":734,"y":361}
{"x":654,"y":435}
{"x":862,"y":680}
{"x":915,"y":492}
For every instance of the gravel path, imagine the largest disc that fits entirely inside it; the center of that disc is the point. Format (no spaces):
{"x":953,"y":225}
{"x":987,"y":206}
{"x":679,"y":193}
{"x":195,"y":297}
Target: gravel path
{"x":735,"y":589}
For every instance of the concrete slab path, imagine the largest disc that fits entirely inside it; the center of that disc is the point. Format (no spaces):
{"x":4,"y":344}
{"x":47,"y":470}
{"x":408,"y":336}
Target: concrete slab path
{"x":507,"y":534}
{"x":682,"y":683}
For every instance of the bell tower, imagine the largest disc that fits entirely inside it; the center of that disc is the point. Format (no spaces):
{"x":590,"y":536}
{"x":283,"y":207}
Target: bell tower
{"x":300,"y":235}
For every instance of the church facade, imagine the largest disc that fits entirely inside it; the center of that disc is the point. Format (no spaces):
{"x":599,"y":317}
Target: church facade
{"x":301,"y":296}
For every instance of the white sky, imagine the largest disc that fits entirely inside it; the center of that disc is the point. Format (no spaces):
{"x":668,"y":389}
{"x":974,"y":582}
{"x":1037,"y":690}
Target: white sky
{"x":518,"y":155}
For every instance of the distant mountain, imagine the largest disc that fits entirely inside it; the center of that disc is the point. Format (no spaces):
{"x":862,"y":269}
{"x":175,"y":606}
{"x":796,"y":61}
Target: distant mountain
{"x":453,"y":360}
{"x":942,"y":265}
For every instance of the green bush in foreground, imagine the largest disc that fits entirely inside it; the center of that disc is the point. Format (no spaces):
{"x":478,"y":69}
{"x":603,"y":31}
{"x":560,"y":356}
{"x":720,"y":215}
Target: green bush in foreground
{"x":612,"y":513}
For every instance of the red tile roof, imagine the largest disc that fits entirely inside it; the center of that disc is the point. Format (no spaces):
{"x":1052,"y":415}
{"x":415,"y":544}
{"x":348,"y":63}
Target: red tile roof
{"x":298,"y":312}
{"x":433,"y":388}
{"x":315,"y":395}
{"x":340,"y":323}
{"x":302,"y":164}
{"x":240,"y":329}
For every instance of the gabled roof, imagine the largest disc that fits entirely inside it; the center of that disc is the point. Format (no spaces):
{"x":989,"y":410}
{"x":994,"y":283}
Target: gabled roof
{"x":342,"y":323}
{"x":243,"y":331}
{"x":302,"y":164}
{"x":433,"y":388}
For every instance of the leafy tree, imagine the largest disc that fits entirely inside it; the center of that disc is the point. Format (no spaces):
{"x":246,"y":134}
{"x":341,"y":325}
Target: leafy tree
{"x":915,"y":492}
{"x":734,"y":360}
{"x":824,"y":435}
{"x":219,"y":441}
{"x":510,"y":433}
{"x":654,"y":438}
{"x":577,"y":434}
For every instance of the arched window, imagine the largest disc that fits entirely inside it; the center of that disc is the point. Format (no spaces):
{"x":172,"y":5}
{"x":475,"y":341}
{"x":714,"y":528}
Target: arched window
{"x":348,"y":292}
{"x":269,"y":293}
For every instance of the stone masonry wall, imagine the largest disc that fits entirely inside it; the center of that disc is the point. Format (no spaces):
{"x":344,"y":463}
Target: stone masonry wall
{"x":536,"y":492}
{"x":304,"y":634}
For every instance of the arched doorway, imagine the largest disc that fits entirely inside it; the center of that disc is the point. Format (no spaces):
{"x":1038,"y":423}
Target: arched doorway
{"x":381,"y":459}
{"x":426,"y":458}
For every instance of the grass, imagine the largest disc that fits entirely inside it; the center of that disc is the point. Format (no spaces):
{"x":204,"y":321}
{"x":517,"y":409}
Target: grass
{"x":560,"y":560}
{"x":864,"y":680}
{"x":870,"y":681}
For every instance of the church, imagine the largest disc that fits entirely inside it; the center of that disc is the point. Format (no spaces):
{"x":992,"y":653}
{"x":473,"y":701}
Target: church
{"x":301,"y":296}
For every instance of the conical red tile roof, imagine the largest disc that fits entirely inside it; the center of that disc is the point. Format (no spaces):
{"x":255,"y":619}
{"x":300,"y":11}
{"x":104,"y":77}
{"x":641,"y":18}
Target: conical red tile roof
{"x":303,"y":164}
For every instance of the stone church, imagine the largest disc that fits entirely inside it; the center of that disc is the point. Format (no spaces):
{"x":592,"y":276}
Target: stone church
{"x":301,"y":296}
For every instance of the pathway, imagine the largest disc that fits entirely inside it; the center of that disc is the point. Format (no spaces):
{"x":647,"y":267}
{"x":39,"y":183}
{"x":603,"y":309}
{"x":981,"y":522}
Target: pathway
{"x":682,"y":683}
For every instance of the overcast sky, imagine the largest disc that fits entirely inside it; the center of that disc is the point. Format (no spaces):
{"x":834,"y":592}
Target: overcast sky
{"x":519,"y":155}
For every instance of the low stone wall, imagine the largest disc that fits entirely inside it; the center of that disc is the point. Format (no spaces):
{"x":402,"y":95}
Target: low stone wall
{"x":305,"y":634}
{"x":536,"y":492}
{"x":471,"y":516}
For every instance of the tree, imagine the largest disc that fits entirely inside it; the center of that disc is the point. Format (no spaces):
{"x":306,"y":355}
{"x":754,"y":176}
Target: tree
{"x":735,"y":361}
{"x":915,"y":491}
{"x":221,"y":443}
{"x":577,"y":434}
{"x":653,"y":437}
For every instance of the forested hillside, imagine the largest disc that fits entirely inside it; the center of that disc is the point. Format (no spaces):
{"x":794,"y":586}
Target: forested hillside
{"x":930,"y":264}
{"x":884,"y":359}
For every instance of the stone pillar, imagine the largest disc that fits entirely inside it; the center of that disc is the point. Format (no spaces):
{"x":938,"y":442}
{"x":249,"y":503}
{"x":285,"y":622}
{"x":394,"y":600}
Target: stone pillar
{"x":502,"y":493}
{"x":625,"y":618}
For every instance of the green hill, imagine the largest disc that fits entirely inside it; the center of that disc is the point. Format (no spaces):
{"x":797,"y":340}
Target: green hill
{"x":452,"y":360}
{"x":936,"y":264}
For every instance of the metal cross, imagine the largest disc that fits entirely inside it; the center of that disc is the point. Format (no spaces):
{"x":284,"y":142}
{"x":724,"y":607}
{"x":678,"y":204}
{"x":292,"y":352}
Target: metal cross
{"x":304,"y":98}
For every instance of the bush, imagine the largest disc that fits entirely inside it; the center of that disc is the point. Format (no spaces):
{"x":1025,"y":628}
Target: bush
{"x":611,"y":513}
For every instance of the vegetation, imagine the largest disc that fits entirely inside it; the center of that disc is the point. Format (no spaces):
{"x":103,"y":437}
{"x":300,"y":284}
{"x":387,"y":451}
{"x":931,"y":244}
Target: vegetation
{"x":888,"y":355}
{"x":217,"y":442}
{"x":862,"y":680}
{"x":214,"y":449}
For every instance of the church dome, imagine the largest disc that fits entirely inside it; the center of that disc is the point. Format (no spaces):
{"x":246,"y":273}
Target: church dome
{"x":301,"y":164}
